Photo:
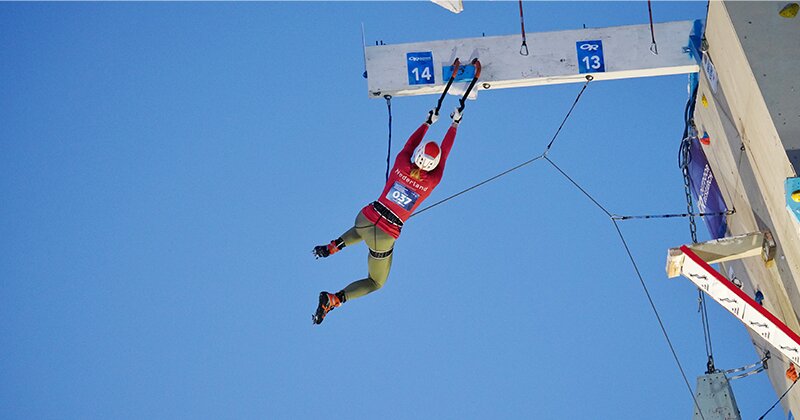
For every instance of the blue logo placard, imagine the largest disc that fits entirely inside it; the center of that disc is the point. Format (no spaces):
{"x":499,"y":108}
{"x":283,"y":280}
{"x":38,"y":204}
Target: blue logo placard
{"x":402,"y":196}
{"x":420,"y":68}
{"x":464,"y":74}
{"x":590,"y":56}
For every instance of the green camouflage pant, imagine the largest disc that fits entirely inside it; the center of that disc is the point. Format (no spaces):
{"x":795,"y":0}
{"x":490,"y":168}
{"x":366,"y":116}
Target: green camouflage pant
{"x":378,"y":241}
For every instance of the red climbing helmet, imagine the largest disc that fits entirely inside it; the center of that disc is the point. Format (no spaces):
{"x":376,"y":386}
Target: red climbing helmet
{"x":427,"y":156}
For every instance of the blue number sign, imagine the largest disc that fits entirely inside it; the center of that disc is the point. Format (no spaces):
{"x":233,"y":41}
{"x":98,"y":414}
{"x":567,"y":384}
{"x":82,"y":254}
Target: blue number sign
{"x":420,"y":68}
{"x":590,"y":56}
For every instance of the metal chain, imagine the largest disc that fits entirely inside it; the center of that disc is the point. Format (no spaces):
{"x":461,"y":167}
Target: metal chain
{"x":683,"y":161}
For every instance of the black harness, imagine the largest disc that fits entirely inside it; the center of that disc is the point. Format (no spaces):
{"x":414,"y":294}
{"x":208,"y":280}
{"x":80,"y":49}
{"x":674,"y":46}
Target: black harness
{"x":390,"y":217}
{"x":387,"y":214}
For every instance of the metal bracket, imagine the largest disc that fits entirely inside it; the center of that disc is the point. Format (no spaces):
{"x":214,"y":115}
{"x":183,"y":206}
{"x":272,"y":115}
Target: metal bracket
{"x":752,"y":369}
{"x":768,"y":247}
{"x":725,"y":249}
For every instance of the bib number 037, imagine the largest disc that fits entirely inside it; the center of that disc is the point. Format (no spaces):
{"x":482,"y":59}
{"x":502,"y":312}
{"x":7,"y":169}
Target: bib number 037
{"x":402,"y":196}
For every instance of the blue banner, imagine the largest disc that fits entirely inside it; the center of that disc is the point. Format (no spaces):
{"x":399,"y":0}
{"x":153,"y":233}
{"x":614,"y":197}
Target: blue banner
{"x":706,"y":191}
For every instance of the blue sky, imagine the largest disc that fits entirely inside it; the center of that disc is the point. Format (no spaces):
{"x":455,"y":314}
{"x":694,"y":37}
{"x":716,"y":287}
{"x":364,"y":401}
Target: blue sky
{"x":166,"y":169}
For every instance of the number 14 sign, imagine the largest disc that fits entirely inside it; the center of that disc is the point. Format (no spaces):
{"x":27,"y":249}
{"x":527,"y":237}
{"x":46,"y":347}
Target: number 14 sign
{"x":590,"y":56}
{"x":420,"y":68}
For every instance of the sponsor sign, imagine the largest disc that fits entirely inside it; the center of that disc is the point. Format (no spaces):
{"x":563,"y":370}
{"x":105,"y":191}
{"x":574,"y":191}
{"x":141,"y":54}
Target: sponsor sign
{"x":590,"y":56}
{"x":706,"y":191}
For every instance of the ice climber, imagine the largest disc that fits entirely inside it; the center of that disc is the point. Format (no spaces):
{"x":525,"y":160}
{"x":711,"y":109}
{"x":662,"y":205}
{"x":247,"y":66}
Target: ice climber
{"x":411,"y":180}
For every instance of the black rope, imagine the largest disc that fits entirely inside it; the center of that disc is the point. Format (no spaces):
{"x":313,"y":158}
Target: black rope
{"x":589,"y":78}
{"x":581,"y":189}
{"x":658,"y":317}
{"x":389,"y":151}
{"x":641,"y":280}
{"x":779,"y":400}
{"x":477,"y":185}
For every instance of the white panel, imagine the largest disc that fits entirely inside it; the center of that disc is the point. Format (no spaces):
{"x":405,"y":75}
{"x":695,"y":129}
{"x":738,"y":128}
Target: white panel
{"x":455,"y":6}
{"x":553,"y":58}
{"x":752,"y":315}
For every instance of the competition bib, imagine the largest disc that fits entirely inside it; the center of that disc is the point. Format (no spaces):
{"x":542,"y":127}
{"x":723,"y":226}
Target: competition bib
{"x":402,"y":196}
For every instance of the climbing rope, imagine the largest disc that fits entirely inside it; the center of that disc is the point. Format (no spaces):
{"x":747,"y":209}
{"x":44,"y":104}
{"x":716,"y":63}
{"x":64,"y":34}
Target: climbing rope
{"x":589,"y":196}
{"x":589,"y":78}
{"x":641,"y":281}
{"x":658,"y":317}
{"x":607,"y":213}
{"x":476,"y":185}
{"x":779,"y":400}
{"x":389,"y":151}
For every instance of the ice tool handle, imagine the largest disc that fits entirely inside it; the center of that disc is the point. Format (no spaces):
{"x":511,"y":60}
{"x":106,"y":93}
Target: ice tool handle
{"x":477,"y":64}
{"x":456,"y":66}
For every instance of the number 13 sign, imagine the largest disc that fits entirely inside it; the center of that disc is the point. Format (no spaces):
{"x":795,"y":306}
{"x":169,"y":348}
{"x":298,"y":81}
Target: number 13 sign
{"x":590,"y":56}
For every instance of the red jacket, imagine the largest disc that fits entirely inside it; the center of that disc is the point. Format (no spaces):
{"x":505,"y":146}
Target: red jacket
{"x":408,"y":186}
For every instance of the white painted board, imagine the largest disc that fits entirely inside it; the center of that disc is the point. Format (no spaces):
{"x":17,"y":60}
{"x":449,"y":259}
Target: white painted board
{"x":555,"y":57}
{"x":753,"y":316}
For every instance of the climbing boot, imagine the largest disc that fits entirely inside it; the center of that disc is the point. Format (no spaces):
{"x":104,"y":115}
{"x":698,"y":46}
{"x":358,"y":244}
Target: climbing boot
{"x":327,"y":301}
